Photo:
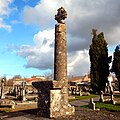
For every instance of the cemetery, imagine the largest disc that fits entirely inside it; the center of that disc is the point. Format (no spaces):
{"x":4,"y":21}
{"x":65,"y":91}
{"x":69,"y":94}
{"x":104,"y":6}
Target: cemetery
{"x":50,"y":99}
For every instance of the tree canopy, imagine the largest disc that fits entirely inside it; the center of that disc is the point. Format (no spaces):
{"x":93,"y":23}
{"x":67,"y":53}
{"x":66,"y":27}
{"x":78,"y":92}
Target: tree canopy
{"x":116,"y":63}
{"x":99,"y":69}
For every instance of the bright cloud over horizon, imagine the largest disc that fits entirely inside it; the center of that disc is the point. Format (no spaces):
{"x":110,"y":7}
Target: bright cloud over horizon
{"x":27,"y":32}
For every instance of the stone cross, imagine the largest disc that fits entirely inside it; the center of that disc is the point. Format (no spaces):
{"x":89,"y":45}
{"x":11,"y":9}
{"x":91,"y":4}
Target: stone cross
{"x":53,"y":95}
{"x":61,"y":15}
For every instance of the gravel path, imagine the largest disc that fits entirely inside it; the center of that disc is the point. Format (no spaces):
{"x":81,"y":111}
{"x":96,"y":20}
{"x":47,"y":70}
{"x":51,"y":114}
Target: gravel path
{"x":80,"y":114}
{"x":83,"y":102}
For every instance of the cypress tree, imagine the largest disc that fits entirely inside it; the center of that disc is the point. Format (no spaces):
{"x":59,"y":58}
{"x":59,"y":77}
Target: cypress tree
{"x":116,"y":64}
{"x":99,"y":69}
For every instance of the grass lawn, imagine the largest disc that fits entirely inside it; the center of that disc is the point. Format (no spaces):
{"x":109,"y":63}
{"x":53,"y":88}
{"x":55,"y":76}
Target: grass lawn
{"x":76,"y":97}
{"x":106,"y":106}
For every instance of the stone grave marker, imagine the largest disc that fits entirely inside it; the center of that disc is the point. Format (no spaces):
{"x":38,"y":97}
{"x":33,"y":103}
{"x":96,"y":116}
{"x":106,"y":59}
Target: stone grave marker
{"x":91,"y":104}
{"x":101,"y":97}
{"x":2,"y":95}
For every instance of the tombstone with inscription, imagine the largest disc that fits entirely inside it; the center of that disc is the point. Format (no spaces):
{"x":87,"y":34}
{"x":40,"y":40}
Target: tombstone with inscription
{"x":53,"y":95}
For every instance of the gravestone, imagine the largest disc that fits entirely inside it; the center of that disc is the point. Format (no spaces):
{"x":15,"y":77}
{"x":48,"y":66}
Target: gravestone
{"x":72,"y":91}
{"x":15,"y":91}
{"x":111,"y":96}
{"x":22,"y":92}
{"x":2,"y":95}
{"x":101,"y":97}
{"x":53,"y":95}
{"x":91,"y":104}
{"x":80,"y":92}
{"x":107,"y":88}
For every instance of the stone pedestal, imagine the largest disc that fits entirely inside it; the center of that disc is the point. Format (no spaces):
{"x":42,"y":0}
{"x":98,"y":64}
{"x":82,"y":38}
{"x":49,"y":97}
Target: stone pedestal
{"x":51,"y":102}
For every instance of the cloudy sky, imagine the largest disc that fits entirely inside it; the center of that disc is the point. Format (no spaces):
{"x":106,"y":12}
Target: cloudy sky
{"x":27,"y":33}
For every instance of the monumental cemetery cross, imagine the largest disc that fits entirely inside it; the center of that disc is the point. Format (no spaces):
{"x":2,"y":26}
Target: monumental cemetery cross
{"x":53,"y":95}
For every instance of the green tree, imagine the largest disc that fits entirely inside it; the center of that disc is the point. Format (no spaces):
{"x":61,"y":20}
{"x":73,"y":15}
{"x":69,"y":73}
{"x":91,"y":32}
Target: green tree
{"x":99,"y":69}
{"x":116,"y":64}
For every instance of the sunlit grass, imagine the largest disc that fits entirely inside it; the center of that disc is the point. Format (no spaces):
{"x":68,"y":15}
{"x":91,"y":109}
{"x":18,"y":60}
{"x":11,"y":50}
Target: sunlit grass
{"x":76,"y":97}
{"x":106,"y":106}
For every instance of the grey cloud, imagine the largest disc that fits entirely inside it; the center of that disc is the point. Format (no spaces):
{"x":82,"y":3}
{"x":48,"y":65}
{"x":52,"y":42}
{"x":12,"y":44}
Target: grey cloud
{"x":102,"y":15}
{"x":83,"y":16}
{"x":25,"y":51}
{"x":40,"y":55}
{"x":76,"y":43}
{"x":40,"y":61}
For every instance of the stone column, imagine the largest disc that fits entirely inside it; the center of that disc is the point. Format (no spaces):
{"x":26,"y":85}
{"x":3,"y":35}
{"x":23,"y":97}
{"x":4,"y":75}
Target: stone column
{"x":60,"y":60}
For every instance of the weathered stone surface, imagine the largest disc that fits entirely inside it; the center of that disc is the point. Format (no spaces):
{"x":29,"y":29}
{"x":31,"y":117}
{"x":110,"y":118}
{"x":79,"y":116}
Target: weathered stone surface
{"x":51,"y":102}
{"x":61,"y":15}
{"x":53,"y":95}
{"x":2,"y":94}
{"x":60,"y":59}
{"x":55,"y":102}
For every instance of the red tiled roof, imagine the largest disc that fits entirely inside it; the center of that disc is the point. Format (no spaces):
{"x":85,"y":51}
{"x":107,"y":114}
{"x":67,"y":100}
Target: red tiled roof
{"x":85,"y":78}
{"x":76,"y":79}
{"x":32,"y":79}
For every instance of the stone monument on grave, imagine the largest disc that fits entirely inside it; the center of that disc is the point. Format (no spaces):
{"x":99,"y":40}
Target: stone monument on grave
{"x":111,"y":95}
{"x":53,"y":95}
{"x":101,"y":97}
{"x":2,"y":95}
{"x":22,"y":92}
{"x":15,"y":92}
{"x":91,"y":104}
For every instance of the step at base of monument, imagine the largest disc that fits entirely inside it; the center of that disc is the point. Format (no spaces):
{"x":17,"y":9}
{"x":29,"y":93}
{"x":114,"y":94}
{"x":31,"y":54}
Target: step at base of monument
{"x":54,"y":114}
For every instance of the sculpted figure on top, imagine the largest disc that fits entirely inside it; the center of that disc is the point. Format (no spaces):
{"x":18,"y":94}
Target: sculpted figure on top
{"x":61,"y":15}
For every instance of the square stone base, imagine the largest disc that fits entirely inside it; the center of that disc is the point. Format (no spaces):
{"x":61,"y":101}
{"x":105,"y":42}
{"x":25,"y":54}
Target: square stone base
{"x":52,"y":102}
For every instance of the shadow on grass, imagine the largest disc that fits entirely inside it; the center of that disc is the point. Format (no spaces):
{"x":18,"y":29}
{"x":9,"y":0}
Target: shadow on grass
{"x":29,"y":112}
